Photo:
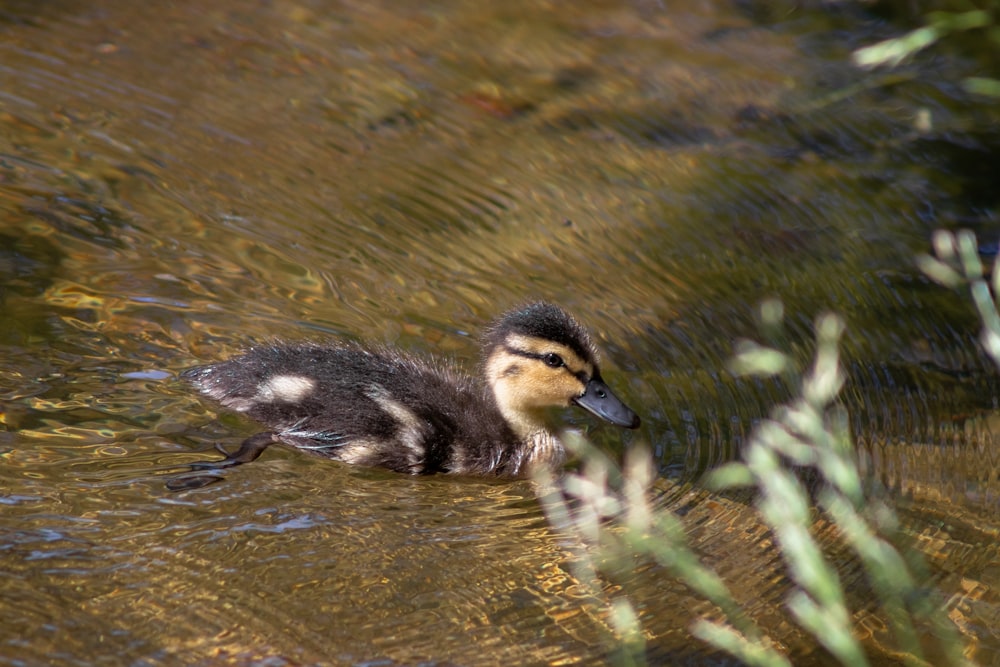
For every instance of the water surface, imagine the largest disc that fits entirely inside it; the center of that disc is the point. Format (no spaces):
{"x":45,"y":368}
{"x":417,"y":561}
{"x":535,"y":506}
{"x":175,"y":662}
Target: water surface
{"x":178,"y":182}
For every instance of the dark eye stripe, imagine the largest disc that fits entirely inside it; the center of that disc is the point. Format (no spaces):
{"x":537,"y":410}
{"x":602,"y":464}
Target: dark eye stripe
{"x":579,"y":375}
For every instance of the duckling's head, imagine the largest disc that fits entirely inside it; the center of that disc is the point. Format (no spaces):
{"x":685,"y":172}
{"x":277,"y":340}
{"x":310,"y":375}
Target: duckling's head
{"x":538,"y":356}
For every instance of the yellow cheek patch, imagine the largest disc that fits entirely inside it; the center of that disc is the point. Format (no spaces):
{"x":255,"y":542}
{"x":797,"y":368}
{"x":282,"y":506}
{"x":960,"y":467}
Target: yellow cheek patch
{"x":524,"y":382}
{"x":549,"y":386}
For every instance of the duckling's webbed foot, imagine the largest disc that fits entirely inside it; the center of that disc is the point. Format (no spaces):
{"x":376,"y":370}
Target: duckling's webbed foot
{"x":249,"y":450}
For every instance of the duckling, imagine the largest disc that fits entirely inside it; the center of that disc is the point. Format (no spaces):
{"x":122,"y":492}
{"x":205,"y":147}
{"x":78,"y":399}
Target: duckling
{"x":381,"y":407}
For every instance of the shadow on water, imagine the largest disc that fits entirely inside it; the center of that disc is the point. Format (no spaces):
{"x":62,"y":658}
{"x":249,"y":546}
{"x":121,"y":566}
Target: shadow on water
{"x":182,"y":181}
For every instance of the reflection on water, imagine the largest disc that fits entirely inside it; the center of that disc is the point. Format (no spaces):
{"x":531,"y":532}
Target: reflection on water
{"x":179,"y":182}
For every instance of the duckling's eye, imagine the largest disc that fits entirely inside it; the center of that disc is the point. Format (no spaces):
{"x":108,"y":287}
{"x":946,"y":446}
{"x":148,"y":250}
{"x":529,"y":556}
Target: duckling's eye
{"x":552,"y":360}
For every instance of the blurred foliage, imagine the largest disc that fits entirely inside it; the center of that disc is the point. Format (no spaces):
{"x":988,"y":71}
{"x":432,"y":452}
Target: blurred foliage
{"x":942,"y":25}
{"x":805,"y":474}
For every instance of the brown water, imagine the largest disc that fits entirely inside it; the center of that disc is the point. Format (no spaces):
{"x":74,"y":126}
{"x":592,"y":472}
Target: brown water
{"x":179,"y":180}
